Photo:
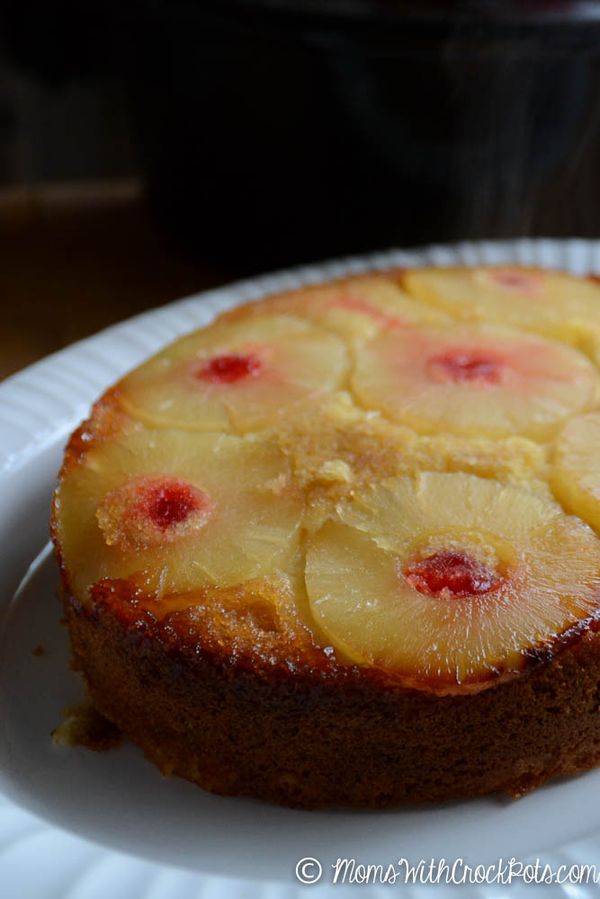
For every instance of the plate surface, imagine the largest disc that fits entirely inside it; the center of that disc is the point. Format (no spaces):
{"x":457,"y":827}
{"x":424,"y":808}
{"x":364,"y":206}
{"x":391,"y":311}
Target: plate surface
{"x":117,"y":799}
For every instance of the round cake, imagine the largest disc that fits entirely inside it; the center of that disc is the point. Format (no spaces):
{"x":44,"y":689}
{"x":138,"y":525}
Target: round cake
{"x":340,"y":547}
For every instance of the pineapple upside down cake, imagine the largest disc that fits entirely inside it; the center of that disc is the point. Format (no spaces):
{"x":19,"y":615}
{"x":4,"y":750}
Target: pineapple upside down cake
{"x":341,"y":546}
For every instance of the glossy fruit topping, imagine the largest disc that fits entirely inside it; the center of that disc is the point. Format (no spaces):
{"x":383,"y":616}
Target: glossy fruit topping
{"x":466,"y":365}
{"x":229,"y":368}
{"x":148,"y":510}
{"x":451,"y":573}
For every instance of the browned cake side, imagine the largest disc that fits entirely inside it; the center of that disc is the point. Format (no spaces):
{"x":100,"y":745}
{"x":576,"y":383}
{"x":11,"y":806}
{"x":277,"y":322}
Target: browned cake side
{"x":309,"y":732}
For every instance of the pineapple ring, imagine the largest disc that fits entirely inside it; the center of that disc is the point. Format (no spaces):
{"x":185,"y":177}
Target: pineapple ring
{"x":519,"y":574}
{"x":355,"y":308}
{"x":226,"y":514}
{"x":575,"y":475}
{"x":238,"y":376}
{"x":468,"y":380}
{"x":548,"y":302}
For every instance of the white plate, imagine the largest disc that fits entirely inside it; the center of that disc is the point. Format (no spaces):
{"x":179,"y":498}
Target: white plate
{"x":117,"y":799}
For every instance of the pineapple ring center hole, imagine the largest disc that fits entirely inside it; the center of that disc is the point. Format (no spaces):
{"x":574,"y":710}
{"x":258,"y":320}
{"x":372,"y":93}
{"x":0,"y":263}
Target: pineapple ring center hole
{"x":354,"y":303}
{"x":170,"y":502}
{"x":525,"y":283}
{"x":459,"y":366}
{"x":451,"y":573}
{"x":146,"y":510}
{"x":229,"y":368}
{"x":453,"y":564}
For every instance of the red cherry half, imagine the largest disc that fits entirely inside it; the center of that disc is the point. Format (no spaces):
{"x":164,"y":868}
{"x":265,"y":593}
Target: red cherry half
{"x":230,"y":368}
{"x":462,"y":366}
{"x":451,"y":573}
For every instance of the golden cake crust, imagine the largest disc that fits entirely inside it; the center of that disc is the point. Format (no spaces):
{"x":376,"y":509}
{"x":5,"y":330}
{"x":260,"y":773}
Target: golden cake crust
{"x":277,"y":729}
{"x":239,"y":689}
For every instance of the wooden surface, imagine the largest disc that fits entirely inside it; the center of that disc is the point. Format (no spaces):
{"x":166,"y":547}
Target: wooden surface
{"x":74,"y":259}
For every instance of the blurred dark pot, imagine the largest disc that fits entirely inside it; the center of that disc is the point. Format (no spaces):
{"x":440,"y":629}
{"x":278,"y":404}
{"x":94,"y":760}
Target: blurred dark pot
{"x":277,"y":131}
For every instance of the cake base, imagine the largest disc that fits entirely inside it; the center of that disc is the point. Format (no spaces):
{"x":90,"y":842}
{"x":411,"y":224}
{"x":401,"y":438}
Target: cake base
{"x":316,"y":737}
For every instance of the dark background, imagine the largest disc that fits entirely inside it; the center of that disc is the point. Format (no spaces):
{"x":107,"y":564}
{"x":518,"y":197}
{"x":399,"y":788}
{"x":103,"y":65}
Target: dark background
{"x":151,"y":149}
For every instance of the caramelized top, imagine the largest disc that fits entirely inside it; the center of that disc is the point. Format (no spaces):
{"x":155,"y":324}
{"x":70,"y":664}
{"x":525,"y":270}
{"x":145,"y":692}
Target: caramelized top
{"x":392,"y":474}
